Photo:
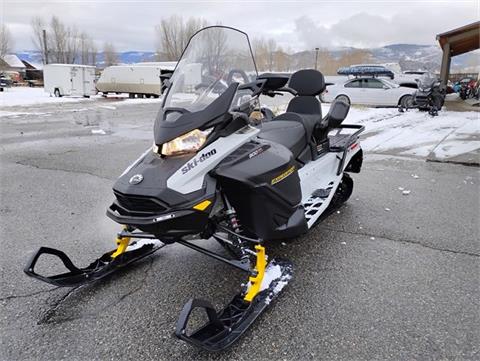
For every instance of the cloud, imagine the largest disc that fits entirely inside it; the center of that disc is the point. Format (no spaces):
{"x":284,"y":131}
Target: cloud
{"x":295,"y":25}
{"x":366,"y":30}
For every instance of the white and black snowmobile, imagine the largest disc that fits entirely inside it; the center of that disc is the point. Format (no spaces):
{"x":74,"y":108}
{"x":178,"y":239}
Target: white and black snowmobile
{"x":213,"y":173}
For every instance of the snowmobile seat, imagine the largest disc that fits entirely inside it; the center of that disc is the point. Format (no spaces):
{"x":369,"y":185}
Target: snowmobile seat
{"x":294,"y":129}
{"x":287,"y":133}
{"x":305,"y":107}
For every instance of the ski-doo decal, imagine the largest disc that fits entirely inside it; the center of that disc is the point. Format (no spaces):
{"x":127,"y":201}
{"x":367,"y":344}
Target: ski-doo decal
{"x":192,"y":164}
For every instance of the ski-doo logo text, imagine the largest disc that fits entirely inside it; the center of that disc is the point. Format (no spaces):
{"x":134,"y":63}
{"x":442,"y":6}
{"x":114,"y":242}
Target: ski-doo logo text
{"x":193,"y":163}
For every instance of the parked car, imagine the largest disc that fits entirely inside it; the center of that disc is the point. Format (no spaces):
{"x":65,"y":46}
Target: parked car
{"x":5,"y":81}
{"x":388,"y":70}
{"x":369,"y":91}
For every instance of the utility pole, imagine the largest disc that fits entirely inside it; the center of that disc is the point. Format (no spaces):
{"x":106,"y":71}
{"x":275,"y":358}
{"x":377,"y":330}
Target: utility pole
{"x":45,"y":49}
{"x":316,"y":57}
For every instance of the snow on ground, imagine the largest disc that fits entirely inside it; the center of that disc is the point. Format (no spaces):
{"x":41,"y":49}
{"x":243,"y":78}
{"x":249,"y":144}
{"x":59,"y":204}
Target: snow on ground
{"x":30,"y":96}
{"x":413,"y":133}
{"x":417,"y":133}
{"x":23,"y":96}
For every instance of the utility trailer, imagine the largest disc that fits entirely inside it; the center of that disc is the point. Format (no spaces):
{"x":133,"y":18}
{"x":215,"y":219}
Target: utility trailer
{"x":138,"y":80}
{"x":69,"y":79}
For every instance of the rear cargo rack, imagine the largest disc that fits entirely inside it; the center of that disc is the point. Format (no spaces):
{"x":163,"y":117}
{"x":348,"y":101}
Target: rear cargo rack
{"x":344,"y":142}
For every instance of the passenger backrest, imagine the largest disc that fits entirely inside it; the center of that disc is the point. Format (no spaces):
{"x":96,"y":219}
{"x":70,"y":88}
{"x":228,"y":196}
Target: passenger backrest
{"x":337,"y":113}
{"x":308,"y":83}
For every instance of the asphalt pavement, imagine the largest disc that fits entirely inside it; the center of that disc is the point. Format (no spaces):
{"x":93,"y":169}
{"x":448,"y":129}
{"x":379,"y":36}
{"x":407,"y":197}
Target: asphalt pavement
{"x":390,"y":276}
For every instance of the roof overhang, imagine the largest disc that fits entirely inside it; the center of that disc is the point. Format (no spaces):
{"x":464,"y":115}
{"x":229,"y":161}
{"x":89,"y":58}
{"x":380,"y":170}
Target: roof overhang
{"x":461,"y":40}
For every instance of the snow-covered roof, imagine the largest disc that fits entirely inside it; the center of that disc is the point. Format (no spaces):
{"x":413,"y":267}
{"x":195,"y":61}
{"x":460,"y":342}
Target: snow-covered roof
{"x":32,"y":65}
{"x":162,"y":64}
{"x":13,"y":61}
{"x":71,"y":65}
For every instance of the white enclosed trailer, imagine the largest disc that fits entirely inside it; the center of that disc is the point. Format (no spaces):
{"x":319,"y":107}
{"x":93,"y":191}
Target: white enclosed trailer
{"x":142,"y":79}
{"x":69,"y":79}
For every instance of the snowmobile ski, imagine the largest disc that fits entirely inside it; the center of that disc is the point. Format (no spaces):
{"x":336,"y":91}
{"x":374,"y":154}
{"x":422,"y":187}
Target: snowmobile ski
{"x":228,"y":325}
{"x":100,"y":268}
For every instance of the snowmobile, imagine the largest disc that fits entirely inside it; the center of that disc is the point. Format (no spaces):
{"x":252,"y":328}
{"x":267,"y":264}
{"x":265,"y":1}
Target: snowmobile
{"x":428,"y":97}
{"x":213,"y":173}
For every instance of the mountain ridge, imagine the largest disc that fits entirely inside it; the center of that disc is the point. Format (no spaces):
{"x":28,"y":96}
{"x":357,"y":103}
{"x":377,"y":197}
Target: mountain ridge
{"x":409,"y":56}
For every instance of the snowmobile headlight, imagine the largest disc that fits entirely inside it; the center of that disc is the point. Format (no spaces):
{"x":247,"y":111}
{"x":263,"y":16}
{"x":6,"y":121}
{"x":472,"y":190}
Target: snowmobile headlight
{"x":190,"y":142}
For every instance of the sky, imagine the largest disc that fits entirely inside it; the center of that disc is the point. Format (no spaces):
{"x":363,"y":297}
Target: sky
{"x":295,"y":25}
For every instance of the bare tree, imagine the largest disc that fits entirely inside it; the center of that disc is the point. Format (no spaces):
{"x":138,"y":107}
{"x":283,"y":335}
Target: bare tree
{"x":267,"y":56}
{"x":72,"y":45}
{"x":109,"y":54}
{"x":271,"y":48}
{"x":355,"y":56}
{"x":57,"y":41}
{"x":259,"y":48}
{"x":38,"y":26}
{"x":173,"y":35}
{"x":215,"y":52}
{"x":87,"y":49}
{"x":326,"y":63}
{"x":281,"y":60}
{"x":93,"y":53}
{"x":5,"y":41}
{"x":63,"y":41}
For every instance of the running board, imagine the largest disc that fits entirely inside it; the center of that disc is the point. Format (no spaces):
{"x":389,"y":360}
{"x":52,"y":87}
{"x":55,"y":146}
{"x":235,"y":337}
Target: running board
{"x":317,"y":203}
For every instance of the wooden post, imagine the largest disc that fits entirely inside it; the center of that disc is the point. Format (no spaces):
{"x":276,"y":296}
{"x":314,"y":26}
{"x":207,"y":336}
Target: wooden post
{"x":445,"y":68}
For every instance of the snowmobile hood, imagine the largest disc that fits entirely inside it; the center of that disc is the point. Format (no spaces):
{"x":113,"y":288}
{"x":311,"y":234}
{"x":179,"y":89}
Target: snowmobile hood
{"x":174,"y":122}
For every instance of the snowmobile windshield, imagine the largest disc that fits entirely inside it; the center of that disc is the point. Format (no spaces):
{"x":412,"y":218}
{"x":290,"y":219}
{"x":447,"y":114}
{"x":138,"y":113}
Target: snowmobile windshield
{"x":427,"y":81}
{"x":214,"y":58}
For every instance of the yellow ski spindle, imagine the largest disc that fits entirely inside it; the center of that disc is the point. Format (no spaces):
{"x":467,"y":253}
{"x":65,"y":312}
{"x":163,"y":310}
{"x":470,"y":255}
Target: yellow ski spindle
{"x":256,"y":282}
{"x":122,"y":243}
